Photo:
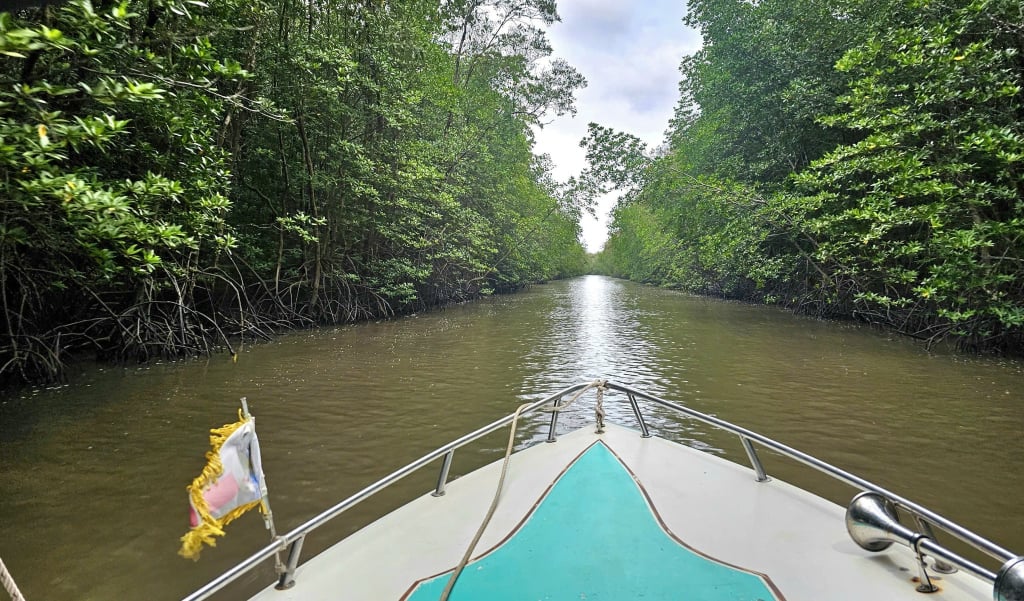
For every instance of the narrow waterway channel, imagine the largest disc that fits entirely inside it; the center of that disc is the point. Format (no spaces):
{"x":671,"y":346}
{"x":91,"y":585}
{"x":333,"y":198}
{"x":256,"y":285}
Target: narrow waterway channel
{"x":92,"y":475}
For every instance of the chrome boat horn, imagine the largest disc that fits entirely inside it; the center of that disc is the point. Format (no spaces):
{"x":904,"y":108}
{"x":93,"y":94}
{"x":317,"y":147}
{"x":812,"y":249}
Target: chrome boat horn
{"x":873,"y":523}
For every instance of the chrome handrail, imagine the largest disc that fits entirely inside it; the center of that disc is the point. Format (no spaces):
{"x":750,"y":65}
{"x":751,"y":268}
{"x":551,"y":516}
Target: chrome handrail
{"x":973,"y":539}
{"x":292,"y":541}
{"x":938,"y":552}
{"x":295,"y":537}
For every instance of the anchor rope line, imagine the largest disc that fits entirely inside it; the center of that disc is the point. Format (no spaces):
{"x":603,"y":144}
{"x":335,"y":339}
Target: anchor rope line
{"x":600,"y":386}
{"x":9,"y":585}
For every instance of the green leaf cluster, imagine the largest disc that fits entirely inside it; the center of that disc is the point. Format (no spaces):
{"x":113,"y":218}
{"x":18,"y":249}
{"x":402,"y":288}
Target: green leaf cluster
{"x":858,"y":159}
{"x":175,"y":171}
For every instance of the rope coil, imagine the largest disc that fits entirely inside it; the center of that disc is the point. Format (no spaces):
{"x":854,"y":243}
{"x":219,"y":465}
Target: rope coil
{"x":600,"y":386}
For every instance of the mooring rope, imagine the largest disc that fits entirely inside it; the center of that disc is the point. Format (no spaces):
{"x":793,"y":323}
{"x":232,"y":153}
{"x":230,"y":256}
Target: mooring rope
{"x":8,"y":582}
{"x":600,"y":386}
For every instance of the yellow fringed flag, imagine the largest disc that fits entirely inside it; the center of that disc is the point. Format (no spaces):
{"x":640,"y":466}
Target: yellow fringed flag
{"x":231,"y":484}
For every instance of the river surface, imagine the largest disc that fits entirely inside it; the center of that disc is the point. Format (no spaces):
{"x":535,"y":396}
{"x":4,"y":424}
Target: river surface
{"x":93,"y":474}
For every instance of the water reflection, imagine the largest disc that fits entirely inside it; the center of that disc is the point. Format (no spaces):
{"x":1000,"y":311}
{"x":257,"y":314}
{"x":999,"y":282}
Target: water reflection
{"x":595,"y":330}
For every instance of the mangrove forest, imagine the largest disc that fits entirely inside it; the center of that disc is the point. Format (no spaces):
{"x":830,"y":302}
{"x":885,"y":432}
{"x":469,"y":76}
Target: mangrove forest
{"x":848,"y":158}
{"x":179,"y":175}
{"x":183,"y":175}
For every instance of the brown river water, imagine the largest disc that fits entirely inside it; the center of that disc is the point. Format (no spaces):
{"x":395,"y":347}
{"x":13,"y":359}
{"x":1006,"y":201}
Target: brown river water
{"x":93,"y":474}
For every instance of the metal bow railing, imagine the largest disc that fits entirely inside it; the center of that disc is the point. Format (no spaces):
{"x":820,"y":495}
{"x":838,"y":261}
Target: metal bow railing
{"x":293,"y":540}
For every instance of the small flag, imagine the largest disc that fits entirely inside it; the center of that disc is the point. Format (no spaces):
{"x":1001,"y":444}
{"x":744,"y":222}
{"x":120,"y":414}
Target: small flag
{"x":231,"y":484}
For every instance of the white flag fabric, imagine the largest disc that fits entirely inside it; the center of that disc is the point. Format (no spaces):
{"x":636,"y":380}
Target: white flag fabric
{"x":231,"y":484}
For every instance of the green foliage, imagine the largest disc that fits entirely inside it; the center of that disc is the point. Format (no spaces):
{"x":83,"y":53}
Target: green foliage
{"x":924,"y":215}
{"x":860,"y":158}
{"x":751,"y":97}
{"x":110,"y":186}
{"x":174,"y":170}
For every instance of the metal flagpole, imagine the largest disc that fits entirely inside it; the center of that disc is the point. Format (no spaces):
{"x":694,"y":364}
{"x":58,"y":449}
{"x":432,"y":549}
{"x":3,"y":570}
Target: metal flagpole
{"x":268,"y":515}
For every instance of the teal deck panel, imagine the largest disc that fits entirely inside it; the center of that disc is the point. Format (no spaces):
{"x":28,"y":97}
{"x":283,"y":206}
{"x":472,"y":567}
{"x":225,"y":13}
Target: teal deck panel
{"x":594,"y":537}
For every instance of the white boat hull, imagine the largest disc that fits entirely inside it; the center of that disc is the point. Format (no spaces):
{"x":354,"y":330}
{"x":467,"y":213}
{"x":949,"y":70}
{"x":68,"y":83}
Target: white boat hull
{"x":793,"y":541}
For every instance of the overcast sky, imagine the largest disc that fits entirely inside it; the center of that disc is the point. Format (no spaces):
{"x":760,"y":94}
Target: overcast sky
{"x":629,"y":51}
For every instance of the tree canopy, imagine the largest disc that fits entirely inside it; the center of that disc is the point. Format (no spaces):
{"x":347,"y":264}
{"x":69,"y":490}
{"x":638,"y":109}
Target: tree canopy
{"x":859,"y":158}
{"x":178,"y":175}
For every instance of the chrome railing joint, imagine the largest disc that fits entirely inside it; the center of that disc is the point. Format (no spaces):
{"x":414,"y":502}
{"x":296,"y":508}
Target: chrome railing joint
{"x":442,"y":478}
{"x":554,"y":419}
{"x":286,"y":579}
{"x":755,"y":461}
{"x":635,"y":406}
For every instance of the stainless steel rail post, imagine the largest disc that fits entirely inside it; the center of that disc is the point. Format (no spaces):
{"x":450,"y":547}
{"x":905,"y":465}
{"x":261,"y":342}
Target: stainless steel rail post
{"x":287,"y":578}
{"x":554,"y":420}
{"x":940,"y":553}
{"x":645,"y":433}
{"x":755,"y":461}
{"x":442,"y":477}
{"x":925,"y":528}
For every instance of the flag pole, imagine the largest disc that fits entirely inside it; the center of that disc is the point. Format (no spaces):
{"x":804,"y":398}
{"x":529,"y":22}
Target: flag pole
{"x":268,"y":515}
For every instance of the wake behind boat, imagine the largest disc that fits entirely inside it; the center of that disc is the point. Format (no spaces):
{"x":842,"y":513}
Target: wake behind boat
{"x":611,"y":512}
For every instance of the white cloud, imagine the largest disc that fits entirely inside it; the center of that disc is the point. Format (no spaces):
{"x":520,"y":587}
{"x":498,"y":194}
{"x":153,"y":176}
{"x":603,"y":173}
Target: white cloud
{"x":593,"y":23}
{"x":629,"y":52}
